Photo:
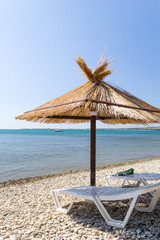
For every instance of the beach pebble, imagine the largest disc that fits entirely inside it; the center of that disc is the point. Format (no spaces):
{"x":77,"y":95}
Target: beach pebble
{"x":138,"y":231}
{"x":13,"y":237}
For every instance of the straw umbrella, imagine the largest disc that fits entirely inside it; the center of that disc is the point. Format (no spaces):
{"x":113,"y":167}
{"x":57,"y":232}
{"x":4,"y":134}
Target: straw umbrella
{"x":94,"y":100}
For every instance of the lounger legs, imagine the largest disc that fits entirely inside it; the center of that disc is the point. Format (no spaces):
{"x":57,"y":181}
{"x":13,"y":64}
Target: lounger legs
{"x":104,"y":212}
{"x":153,"y":202}
{"x":101,"y":208}
{"x":107,"y":217}
{"x":57,"y":203}
{"x":137,"y":184}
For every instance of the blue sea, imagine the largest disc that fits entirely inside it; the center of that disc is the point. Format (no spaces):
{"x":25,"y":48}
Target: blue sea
{"x":27,"y":153}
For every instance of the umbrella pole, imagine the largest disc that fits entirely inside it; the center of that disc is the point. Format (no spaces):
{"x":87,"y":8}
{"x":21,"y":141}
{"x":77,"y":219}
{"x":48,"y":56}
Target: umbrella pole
{"x":93,"y":151}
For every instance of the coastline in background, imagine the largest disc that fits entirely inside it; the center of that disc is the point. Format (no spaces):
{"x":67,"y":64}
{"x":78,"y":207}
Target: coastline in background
{"x":110,"y":167}
{"x":36,"y":152}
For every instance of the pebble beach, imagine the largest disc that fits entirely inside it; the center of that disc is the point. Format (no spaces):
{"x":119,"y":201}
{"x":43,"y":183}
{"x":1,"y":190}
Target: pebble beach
{"x":27,"y":210}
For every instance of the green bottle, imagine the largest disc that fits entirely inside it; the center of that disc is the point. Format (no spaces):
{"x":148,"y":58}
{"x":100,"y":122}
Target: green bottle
{"x":125,"y":173}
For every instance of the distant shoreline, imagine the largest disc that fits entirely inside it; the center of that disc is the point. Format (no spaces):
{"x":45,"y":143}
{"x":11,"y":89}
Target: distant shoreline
{"x":37,"y":178}
{"x":103,"y":129}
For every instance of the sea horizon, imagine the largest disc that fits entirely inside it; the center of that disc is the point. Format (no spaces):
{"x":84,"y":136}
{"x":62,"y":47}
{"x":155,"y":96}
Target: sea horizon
{"x":88,"y":128}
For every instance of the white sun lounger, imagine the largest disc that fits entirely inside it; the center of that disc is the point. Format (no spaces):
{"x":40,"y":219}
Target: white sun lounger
{"x":136,"y":177}
{"x":100,"y":194}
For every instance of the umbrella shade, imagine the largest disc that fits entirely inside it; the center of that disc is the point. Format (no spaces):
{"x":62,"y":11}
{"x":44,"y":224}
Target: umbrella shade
{"x":113,"y":106}
{"x":94,"y":100}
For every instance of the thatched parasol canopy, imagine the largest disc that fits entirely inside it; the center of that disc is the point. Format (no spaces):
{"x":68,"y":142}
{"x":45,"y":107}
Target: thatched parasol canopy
{"x":94,"y":100}
{"x":113,"y":106}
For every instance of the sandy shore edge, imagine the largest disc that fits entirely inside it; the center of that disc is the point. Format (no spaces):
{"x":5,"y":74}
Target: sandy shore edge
{"x":37,"y":178}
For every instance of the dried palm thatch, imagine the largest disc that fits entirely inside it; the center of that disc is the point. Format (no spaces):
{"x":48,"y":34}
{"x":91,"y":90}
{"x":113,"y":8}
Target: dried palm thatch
{"x":113,"y":106}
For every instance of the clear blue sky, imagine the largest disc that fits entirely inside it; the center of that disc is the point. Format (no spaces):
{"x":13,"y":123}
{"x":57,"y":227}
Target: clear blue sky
{"x":39,"y":39}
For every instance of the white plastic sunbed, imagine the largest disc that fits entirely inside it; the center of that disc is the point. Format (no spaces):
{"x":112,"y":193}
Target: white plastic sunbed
{"x":136,"y":177}
{"x":99,"y":194}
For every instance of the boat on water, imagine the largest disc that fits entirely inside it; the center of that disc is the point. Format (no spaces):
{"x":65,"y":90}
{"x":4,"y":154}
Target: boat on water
{"x":58,"y":130}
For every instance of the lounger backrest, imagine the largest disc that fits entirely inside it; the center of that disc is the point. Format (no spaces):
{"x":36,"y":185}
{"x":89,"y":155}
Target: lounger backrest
{"x":149,"y":188}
